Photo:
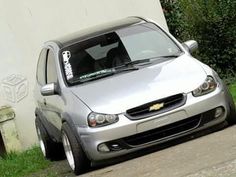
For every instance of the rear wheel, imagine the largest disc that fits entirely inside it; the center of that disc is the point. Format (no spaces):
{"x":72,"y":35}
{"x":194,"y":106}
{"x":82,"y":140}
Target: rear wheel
{"x":75,"y":155}
{"x":50,"y":149}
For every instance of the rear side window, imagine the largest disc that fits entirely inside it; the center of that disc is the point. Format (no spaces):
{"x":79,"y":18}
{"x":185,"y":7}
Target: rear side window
{"x":40,"y":75}
{"x":51,"y":68}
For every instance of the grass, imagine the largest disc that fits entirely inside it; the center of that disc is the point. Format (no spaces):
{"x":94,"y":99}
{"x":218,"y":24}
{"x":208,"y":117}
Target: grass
{"x":22,"y":164}
{"x":233,"y":91}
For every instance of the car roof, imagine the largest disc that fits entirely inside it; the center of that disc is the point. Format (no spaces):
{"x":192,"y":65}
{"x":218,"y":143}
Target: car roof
{"x":96,"y":30}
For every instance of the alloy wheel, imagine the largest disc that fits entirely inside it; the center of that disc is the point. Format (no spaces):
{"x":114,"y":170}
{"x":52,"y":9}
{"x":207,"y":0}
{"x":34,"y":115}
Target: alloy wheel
{"x":41,"y":143}
{"x":68,"y":150}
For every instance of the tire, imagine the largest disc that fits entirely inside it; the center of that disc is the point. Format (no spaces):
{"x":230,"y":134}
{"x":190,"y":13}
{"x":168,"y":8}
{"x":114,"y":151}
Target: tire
{"x":75,"y":155}
{"x":50,"y":149}
{"x":231,"y":118}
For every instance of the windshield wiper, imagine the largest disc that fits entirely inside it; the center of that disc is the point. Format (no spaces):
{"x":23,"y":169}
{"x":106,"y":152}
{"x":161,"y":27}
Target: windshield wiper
{"x":101,"y":74}
{"x":144,"y":61}
{"x":170,"y":56}
{"x":116,"y":70}
{"x":149,"y":60}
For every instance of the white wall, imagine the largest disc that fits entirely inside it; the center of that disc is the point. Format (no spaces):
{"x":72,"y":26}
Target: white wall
{"x":26,"y":24}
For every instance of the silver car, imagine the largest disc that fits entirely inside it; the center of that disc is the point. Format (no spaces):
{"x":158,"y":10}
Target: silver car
{"x":120,"y":87}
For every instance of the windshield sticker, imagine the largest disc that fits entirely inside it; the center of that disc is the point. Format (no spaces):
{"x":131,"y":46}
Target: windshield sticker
{"x":67,"y":66}
{"x":104,"y":71}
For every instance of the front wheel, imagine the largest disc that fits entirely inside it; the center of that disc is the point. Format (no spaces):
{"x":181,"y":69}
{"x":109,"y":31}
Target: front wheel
{"x":75,"y":155}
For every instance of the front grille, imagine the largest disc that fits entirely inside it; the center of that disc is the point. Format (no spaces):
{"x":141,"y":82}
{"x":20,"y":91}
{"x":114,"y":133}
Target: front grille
{"x":165,"y":104}
{"x":163,"y":132}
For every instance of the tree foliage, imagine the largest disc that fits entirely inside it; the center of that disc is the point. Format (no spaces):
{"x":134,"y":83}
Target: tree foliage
{"x":212,"y":23}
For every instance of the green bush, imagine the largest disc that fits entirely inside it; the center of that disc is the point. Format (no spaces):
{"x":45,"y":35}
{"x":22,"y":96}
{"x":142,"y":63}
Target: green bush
{"x":213,"y":24}
{"x":173,"y":14}
{"x":233,"y":91}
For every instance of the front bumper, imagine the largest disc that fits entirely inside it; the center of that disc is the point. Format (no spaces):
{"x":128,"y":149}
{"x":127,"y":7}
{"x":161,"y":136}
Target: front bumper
{"x":197,"y":114}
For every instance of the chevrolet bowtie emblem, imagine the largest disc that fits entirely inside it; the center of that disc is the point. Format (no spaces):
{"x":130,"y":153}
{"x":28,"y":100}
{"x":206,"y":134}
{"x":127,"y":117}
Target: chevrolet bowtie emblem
{"x":156,"y":107}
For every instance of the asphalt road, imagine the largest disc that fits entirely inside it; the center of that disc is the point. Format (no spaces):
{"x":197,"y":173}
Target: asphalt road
{"x":213,"y":155}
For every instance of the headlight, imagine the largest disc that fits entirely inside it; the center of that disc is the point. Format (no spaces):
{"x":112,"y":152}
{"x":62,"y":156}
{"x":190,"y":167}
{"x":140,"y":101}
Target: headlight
{"x":208,"y":86}
{"x":97,"y":120}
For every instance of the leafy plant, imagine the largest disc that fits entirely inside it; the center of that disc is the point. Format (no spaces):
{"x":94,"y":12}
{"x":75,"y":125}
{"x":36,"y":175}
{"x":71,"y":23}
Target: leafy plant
{"x":233,"y":91}
{"x":173,"y":14}
{"x":212,"y":24}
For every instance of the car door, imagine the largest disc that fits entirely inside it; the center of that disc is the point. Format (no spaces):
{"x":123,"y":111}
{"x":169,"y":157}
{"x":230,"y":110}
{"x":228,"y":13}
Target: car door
{"x":53,"y":103}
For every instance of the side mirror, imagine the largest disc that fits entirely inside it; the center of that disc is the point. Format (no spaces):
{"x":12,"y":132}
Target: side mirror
{"x":190,"y":46}
{"x":49,"y":89}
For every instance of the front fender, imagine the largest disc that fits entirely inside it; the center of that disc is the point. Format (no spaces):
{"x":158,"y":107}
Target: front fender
{"x":66,"y":118}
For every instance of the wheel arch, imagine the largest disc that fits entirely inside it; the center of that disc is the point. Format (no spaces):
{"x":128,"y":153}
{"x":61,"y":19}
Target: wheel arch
{"x":67,"y":119}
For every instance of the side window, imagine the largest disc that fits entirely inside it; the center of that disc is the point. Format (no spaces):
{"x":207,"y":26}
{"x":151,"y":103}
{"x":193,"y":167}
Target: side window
{"x":51,"y":68}
{"x":40,"y":74}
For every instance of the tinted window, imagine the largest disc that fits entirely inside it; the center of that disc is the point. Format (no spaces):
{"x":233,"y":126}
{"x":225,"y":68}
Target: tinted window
{"x":51,"y":68}
{"x":101,"y":55}
{"x":41,"y":67}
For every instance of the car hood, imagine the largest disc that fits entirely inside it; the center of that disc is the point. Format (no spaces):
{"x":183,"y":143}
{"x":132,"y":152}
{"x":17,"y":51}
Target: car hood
{"x":117,"y":93}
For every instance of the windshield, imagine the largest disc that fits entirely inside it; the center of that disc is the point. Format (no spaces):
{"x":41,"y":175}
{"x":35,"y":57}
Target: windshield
{"x":127,"y":46}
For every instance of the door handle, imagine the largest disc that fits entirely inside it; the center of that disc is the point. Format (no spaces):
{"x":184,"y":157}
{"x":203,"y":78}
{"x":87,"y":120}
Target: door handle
{"x":44,"y":101}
